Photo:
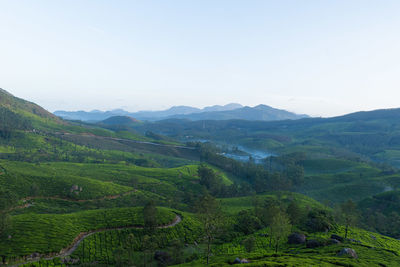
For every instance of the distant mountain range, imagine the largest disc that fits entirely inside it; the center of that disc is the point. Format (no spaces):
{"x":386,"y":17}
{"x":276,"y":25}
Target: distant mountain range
{"x":217,"y":112}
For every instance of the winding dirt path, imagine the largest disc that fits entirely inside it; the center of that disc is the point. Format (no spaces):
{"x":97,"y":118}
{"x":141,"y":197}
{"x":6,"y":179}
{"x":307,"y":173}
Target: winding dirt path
{"x":80,"y":200}
{"x":70,"y":249}
{"x":27,"y":205}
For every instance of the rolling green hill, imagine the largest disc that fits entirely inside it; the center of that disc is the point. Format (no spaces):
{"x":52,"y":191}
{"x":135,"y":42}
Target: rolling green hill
{"x":84,"y":192}
{"x":51,"y":232}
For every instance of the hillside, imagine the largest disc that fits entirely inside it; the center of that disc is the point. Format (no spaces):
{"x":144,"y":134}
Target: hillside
{"x":120,"y":192}
{"x":22,"y":106}
{"x":119,"y":120}
{"x":374,"y":134}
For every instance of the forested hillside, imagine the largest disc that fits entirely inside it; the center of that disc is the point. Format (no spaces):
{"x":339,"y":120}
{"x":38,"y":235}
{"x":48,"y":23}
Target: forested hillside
{"x":129,"y":193}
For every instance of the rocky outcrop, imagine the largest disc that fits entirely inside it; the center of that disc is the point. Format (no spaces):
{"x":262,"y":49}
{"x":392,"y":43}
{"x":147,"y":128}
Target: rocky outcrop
{"x":348,"y":252}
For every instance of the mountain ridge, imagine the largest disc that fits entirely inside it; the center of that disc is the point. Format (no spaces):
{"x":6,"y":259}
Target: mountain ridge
{"x":216,"y":112}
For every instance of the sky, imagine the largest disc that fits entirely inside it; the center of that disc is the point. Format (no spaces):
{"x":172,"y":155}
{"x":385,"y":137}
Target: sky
{"x":322,"y":58}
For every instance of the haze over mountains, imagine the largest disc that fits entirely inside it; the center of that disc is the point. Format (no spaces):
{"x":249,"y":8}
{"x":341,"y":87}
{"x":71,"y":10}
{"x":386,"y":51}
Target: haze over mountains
{"x":217,"y":112}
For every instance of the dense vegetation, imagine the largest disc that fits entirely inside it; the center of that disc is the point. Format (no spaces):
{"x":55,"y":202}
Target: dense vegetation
{"x":110,"y":194}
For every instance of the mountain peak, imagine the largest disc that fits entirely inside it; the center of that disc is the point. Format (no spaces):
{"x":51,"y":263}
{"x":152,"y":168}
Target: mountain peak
{"x":119,"y":120}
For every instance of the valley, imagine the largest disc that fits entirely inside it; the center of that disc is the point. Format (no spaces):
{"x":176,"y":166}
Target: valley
{"x":143,"y":194}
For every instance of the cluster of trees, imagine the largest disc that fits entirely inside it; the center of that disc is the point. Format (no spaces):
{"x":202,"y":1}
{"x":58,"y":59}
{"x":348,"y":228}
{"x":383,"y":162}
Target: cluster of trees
{"x":10,"y":122}
{"x":280,"y":217}
{"x":214,"y":184}
{"x":387,"y":224}
{"x":286,"y":173}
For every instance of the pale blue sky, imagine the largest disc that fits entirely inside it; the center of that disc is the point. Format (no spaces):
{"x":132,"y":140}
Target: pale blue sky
{"x":317,"y":57}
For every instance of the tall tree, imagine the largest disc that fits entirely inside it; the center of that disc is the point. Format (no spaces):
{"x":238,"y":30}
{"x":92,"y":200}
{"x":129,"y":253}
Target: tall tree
{"x":149,"y":244}
{"x":211,"y":217}
{"x":347,"y":214}
{"x":280,"y":229}
{"x":7,"y":200}
{"x":150,"y":216}
{"x":209,"y":179}
{"x":295,"y":212}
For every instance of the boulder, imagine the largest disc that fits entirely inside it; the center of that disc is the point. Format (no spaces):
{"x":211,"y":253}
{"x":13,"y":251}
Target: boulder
{"x":313,"y":243}
{"x":237,"y":261}
{"x":297,"y":238}
{"x":240,"y":261}
{"x":337,"y":237}
{"x":348,"y":252}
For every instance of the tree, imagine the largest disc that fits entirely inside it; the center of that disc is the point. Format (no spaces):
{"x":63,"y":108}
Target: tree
{"x":34,"y":190}
{"x":7,"y":200}
{"x":348,"y":214}
{"x":210,"y":215}
{"x":148,"y":247}
{"x":249,"y":243}
{"x":150,"y":216}
{"x":5,"y":224}
{"x":266,"y":212}
{"x":295,"y":173}
{"x":247,"y":223}
{"x":209,"y":179}
{"x":280,"y":229}
{"x":177,"y":250}
{"x":319,"y":220}
{"x":119,"y":254}
{"x":295,"y":212}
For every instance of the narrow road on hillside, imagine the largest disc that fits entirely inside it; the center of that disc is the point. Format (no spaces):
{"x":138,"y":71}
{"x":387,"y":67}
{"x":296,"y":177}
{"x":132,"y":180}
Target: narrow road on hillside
{"x":27,"y":205}
{"x":129,"y":140}
{"x":69,"y":250}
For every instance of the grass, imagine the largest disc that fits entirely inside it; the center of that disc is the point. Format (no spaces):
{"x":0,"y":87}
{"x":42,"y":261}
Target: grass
{"x":102,"y":247}
{"x":61,"y":206}
{"x":188,"y":231}
{"x":97,"y":180}
{"x":237,"y":204}
{"x":335,"y":181}
{"x":47,"y":233}
{"x":331,"y":165}
{"x":50,"y":181}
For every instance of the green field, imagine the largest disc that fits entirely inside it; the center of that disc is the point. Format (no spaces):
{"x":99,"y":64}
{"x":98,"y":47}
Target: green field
{"x":49,"y":233}
{"x":235,"y":205}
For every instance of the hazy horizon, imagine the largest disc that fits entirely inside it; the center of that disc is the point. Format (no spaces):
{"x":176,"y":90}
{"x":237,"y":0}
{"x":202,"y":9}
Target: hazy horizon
{"x":316,"y":58}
